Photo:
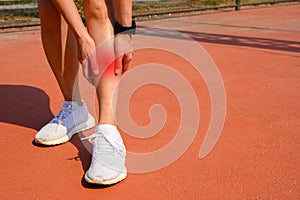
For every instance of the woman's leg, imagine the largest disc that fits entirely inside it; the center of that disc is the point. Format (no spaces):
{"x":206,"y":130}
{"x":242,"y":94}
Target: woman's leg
{"x":108,"y":159}
{"x":60,"y":48}
{"x":100,"y":16}
{"x":61,"y":51}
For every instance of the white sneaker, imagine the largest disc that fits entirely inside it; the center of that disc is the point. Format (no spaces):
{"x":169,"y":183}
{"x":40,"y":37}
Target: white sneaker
{"x":71,"y":119}
{"x":108,"y":159}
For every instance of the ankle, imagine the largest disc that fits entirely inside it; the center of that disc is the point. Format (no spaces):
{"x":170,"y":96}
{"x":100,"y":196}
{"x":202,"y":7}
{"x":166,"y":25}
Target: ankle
{"x":78,"y":102}
{"x":106,"y":122}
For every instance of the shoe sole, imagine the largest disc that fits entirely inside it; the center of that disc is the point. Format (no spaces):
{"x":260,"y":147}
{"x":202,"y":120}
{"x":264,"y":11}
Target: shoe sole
{"x":119,"y":178}
{"x":90,"y":123}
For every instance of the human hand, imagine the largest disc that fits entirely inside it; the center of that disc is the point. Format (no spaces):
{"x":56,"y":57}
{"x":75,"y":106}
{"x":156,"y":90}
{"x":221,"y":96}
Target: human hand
{"x":123,"y":46}
{"x":87,"y":57}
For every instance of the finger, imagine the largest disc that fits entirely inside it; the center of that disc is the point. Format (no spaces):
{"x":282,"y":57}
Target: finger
{"x":91,"y":75}
{"x":87,"y":71}
{"x":118,"y":65}
{"x":85,"y":68}
{"x":127,"y":61}
{"x":94,"y":63}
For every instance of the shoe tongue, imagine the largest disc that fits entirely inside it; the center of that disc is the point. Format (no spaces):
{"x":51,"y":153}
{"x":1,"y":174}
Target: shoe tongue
{"x":111,"y":131}
{"x":106,"y":129}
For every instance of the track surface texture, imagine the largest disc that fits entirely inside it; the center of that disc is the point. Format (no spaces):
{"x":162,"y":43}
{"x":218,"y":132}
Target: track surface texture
{"x":257,"y":51}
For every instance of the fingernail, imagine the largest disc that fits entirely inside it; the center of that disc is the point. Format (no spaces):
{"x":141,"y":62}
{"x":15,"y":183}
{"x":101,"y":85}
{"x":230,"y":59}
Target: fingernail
{"x":117,"y":71}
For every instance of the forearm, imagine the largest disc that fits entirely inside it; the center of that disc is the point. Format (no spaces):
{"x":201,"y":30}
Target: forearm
{"x":70,"y":13}
{"x":124,"y":12}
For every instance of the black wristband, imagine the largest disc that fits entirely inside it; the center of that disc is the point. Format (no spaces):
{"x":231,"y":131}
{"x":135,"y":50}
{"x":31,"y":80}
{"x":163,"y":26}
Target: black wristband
{"x":127,"y":30}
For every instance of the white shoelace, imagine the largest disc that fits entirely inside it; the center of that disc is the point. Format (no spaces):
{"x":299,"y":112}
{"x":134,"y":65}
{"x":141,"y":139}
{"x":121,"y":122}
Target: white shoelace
{"x":104,"y":144}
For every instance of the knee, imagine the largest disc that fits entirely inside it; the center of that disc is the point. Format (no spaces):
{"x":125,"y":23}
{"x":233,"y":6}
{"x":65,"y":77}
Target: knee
{"x":96,"y":9}
{"x":49,"y":15}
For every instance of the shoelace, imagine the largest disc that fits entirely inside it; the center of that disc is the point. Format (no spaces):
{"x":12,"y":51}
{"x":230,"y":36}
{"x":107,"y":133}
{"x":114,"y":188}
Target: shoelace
{"x":64,"y":112}
{"x":105,"y":144}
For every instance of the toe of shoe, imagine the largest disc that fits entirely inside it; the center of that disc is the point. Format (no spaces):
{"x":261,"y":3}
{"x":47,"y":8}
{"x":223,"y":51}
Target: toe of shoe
{"x":104,"y":176}
{"x":50,"y":132}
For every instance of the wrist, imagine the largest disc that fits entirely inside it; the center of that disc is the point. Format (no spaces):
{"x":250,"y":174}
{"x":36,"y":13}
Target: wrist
{"x":120,"y":28}
{"x":81,"y":32}
{"x":125,"y":22}
{"x":83,"y":37}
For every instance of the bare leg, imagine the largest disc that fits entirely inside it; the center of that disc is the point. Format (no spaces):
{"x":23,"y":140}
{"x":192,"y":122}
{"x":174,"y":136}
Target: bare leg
{"x":109,"y":168}
{"x":100,"y":16}
{"x":60,"y":48}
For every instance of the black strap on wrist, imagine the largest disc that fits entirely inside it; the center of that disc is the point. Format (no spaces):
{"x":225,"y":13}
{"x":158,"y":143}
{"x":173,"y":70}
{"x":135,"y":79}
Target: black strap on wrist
{"x":126,"y":30}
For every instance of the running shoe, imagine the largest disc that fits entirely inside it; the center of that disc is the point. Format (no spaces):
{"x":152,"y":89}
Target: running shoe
{"x":108,"y":158}
{"x":72,"y":118}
